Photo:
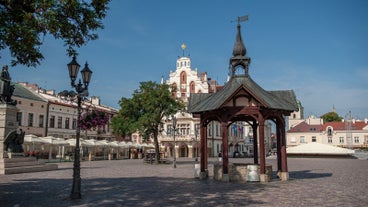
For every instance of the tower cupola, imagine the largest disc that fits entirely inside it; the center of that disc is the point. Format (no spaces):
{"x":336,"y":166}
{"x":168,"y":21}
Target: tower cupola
{"x":239,"y":63}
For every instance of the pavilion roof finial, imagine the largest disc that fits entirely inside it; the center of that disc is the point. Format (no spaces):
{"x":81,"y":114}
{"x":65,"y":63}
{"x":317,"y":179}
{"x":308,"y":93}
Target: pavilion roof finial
{"x":239,"y":48}
{"x":239,"y":53}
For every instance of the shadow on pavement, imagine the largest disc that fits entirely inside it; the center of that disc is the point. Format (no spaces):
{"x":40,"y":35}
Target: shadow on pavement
{"x":307,"y":174}
{"x":143,"y":191}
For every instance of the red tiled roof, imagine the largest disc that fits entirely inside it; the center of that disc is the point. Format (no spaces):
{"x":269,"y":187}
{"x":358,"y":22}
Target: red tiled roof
{"x":304,"y":127}
{"x":359,"y":125}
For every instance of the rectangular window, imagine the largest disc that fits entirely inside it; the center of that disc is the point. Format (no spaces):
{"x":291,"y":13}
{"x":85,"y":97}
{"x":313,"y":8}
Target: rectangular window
{"x":329,"y":140}
{"x":210,"y":130}
{"x":169,"y":130}
{"x":60,"y":122}
{"x":66,"y":123}
{"x":197,"y":129}
{"x":40,"y":121}
{"x":30,"y":119}
{"x":356,"y":139}
{"x":293,"y":140}
{"x":19,"y":118}
{"x":314,"y":139}
{"x":341,"y":139}
{"x":302,"y":139}
{"x":74,"y":125}
{"x":52,"y":122}
{"x":217,"y":130}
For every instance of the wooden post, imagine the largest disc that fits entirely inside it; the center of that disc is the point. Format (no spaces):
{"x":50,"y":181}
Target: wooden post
{"x":283,"y":149}
{"x":262,"y":148}
{"x":278,"y":136}
{"x":225,"y":148}
{"x":255,"y":142}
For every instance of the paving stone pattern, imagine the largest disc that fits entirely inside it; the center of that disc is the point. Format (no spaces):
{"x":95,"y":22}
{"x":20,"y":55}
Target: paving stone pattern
{"x":313,"y":182}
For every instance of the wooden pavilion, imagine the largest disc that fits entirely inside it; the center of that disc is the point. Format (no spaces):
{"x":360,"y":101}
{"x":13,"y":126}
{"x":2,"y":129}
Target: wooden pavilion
{"x":242,"y":99}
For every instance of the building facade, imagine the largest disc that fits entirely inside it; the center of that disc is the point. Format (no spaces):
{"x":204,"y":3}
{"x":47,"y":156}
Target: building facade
{"x":349,"y":133}
{"x":44,"y":113}
{"x":184,"y":81}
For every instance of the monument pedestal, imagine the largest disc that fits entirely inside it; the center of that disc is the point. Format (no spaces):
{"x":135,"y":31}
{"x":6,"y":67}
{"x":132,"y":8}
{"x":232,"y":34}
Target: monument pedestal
{"x":15,"y":162}
{"x":24,"y":165}
{"x":8,"y":124}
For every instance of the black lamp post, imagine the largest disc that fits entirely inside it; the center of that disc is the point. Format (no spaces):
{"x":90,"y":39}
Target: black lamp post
{"x":82,"y":91}
{"x":174,"y":130}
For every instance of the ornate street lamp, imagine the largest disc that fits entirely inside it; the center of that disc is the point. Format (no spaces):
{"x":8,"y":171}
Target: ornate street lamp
{"x":174,"y":130}
{"x":82,"y":91}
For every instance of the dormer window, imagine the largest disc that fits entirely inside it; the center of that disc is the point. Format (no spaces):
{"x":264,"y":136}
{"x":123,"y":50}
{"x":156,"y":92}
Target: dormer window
{"x":329,"y":131}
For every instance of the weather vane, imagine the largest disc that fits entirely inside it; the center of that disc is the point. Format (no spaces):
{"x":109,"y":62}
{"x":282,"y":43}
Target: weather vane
{"x":241,"y":19}
{"x":183,"y":46}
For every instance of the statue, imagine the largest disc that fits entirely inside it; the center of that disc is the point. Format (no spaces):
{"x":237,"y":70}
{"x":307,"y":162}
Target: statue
{"x":6,"y":90}
{"x":13,"y":142}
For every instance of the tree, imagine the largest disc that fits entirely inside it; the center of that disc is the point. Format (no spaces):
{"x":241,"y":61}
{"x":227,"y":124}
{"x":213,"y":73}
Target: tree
{"x":330,"y":117}
{"x":144,"y":112}
{"x":25,"y":23}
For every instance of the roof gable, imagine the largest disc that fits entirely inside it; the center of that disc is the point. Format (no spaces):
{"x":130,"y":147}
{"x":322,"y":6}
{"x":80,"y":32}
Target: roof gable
{"x":241,"y":97}
{"x":245,"y":85}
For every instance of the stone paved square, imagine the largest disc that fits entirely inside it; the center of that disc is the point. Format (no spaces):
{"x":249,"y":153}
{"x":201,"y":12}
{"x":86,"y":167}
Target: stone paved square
{"x":313,"y":182}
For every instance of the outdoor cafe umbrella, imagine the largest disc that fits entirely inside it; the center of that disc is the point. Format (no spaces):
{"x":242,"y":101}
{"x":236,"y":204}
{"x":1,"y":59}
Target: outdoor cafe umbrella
{"x":31,"y":138}
{"x":90,"y":143}
{"x":123,"y":145}
{"x":53,"y":141}
{"x":104,"y":144}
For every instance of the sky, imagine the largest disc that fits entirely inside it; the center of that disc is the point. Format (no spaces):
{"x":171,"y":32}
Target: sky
{"x":317,"y":48}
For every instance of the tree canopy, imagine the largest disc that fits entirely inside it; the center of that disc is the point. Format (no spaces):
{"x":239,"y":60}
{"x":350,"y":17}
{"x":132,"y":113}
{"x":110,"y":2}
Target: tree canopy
{"x":331,"y":117}
{"x":25,"y":23}
{"x":145,"y":110}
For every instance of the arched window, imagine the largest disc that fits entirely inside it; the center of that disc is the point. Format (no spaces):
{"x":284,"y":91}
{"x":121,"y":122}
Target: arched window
{"x":329,"y":131}
{"x":183,"y":77}
{"x":192,"y":87}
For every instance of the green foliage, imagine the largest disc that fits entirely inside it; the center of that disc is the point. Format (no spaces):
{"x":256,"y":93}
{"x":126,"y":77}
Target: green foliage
{"x":331,"y":117}
{"x":145,"y":110}
{"x":24,"y":24}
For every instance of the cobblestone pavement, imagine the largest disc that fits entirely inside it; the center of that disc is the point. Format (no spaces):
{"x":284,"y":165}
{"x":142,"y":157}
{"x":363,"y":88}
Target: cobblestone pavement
{"x":313,"y":182}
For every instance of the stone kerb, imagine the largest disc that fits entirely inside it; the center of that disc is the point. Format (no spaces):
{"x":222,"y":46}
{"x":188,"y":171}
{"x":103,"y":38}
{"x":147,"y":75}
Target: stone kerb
{"x":237,"y":172}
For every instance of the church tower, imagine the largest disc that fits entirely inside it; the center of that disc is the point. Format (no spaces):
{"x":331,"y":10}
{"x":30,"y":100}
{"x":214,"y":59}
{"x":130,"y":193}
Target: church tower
{"x":185,"y":80}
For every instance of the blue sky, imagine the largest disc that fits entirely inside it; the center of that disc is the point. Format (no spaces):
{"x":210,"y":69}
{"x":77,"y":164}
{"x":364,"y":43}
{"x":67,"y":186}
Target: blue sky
{"x":317,"y":48}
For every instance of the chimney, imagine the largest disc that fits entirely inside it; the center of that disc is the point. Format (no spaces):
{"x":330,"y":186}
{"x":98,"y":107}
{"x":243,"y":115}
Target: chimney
{"x":95,"y":100}
{"x":50,"y":92}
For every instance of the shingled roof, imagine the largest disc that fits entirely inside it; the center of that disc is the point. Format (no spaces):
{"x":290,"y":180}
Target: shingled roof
{"x":280,"y":100}
{"x":21,"y":92}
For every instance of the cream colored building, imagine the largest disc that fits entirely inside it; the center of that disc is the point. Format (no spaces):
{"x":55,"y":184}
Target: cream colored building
{"x":33,"y":110}
{"x":185,"y":81}
{"x":350,"y":133}
{"x":56,"y":116}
